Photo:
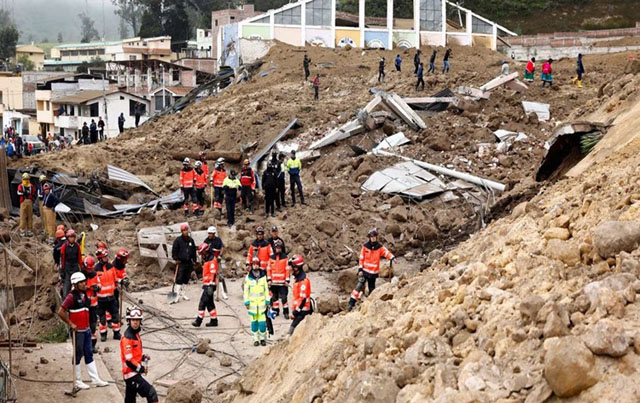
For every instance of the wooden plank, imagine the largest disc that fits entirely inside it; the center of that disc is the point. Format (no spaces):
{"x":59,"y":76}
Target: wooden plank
{"x":371,"y":105}
{"x":498,"y":81}
{"x":5,"y":197}
{"x":17,"y":259}
{"x":417,"y":120}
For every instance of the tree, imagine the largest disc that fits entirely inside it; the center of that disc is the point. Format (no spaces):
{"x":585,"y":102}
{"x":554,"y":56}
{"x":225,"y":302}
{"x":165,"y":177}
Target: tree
{"x":130,"y":11}
{"x":8,"y":36}
{"x":88,"y":31}
{"x":27,"y":64}
{"x":59,"y":37}
{"x":85,"y":66}
{"x":151,"y":23}
{"x":123,"y":29}
{"x":176,"y":21}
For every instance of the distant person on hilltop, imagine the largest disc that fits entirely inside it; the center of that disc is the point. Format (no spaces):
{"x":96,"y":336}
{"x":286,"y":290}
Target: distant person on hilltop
{"x":381,"y":70}
{"x":579,"y":71}
{"x":547,"y":73}
{"x":530,"y":70}
{"x":316,"y":86}
{"x":420,"y":78}
{"x":121,"y":120}
{"x":305,"y":63}
{"x":446,"y":65}
{"x":432,"y":62}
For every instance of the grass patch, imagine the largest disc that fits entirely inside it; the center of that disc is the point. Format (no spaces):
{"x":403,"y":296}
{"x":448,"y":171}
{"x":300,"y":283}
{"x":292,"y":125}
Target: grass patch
{"x":57,"y":334}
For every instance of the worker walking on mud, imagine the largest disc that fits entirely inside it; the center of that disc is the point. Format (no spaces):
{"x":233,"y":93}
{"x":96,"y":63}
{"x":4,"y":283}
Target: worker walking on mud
{"x":294,"y":167}
{"x":259,"y":248}
{"x":217,"y":247}
{"x":270,"y":186}
{"x":49,"y":203}
{"x":446,"y":65}
{"x":200,"y":188}
{"x":381,"y":70}
{"x":27,"y":194}
{"x":134,"y":361}
{"x":209,"y":285}
{"x":70,"y":260}
{"x":93,"y":287}
{"x":369,"y":266}
{"x":305,"y":64}
{"x":74,"y":311}
{"x":420,"y":77}
{"x":432,"y":61}
{"x":547,"y":73}
{"x":187,"y":181}
{"x":217,"y":178}
{"x":579,"y":71}
{"x":107,"y":301}
{"x":398,"y":63}
{"x":231,"y":186}
{"x":184,"y":253}
{"x":256,"y":300}
{"x":248,"y":182}
{"x":301,"y":293}
{"x":529,"y":71}
{"x":278,"y":275}
{"x":416,"y":61}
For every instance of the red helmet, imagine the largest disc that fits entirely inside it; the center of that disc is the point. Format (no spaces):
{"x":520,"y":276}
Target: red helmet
{"x":203,"y":248}
{"x":255,"y":260}
{"x":296,"y":260}
{"x":70,"y":233}
{"x":102,"y":253}
{"x":123,"y":254}
{"x":184,"y":227}
{"x":89,"y":262}
{"x":59,"y":233}
{"x":46,"y":186}
{"x":202,"y":154}
{"x":102,"y":245}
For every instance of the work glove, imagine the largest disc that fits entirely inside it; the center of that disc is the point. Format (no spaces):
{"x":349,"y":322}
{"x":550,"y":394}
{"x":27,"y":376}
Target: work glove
{"x":126,"y":282}
{"x":96,"y":288}
{"x":271,"y":314}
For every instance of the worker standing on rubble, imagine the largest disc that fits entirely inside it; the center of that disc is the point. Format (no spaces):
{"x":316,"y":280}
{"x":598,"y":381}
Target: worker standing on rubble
{"x":202,"y":157}
{"x":49,"y":203}
{"x":256,"y":300}
{"x":305,"y":64}
{"x":100,"y":128}
{"x":398,"y":63}
{"x":369,"y":266}
{"x":432,"y":61}
{"x":579,"y":71}
{"x":134,"y":362}
{"x":93,"y":287}
{"x":217,"y":247}
{"x":187,"y":181}
{"x":530,"y":70}
{"x":270,"y":185}
{"x":248,"y":182}
{"x":74,"y":311}
{"x":200,"y":188}
{"x":446,"y":65}
{"x":294,"y":167}
{"x":70,"y":260}
{"x":278,"y":276}
{"x":274,"y":237}
{"x":93,"y":132}
{"x":281,"y":181}
{"x":183,"y":252}
{"x":217,"y":178}
{"x":107,"y":301}
{"x":121,"y":121}
{"x":231,"y":186}
{"x":209,"y":284}
{"x":26,"y":193}
{"x":416,"y":61}
{"x":40,"y":196}
{"x":316,"y":86}
{"x":119,"y":263}
{"x":301,"y":293}
{"x":260,"y":248}
{"x":59,"y":242}
{"x":85,"y":134}
{"x":277,"y":169}
{"x":547,"y":73}
{"x":420,"y":77}
{"x":381,"y":70}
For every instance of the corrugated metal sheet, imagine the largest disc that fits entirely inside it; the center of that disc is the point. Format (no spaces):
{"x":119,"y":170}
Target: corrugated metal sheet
{"x":119,"y":174}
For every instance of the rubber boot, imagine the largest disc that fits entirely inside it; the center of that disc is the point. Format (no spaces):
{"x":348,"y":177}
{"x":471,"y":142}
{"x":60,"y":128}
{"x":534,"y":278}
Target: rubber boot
{"x":186,"y":213}
{"x":212,"y":323}
{"x":93,"y":373}
{"x":116,"y":335}
{"x":277,"y":312}
{"x":579,"y":83}
{"x":79,"y":383}
{"x":352,"y":303}
{"x":183,"y":294}
{"x":93,"y":344}
{"x":263,"y":342}
{"x":197,"y":322}
{"x":103,"y":336}
{"x":177,"y":291}
{"x":285,"y":312}
{"x":573,"y":80}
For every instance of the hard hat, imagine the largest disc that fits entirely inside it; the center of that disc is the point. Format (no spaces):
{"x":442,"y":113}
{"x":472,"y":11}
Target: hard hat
{"x":134,"y":312}
{"x":259,"y":229}
{"x":59,"y":233}
{"x":296,"y":260}
{"x":202,"y":154}
{"x":203,"y":248}
{"x":277,"y":244}
{"x":184,"y":227}
{"x":42,"y":178}
{"x":255,"y":260}
{"x":102,"y":245}
{"x":89,"y":262}
{"x":77,"y":277}
{"x":220,"y":160}
{"x":46,"y":187}
{"x":123,"y":254}
{"x":373,"y":232}
{"x":212,"y":230}
{"x":186,"y":161}
{"x":232,"y":174}
{"x":274,"y":228}
{"x":101,"y":253}
{"x":198,"y":164}
{"x":25,"y":176}
{"x":71,"y":233}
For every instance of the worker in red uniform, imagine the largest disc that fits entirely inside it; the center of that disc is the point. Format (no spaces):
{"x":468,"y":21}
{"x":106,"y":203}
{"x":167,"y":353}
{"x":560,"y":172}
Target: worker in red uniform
{"x":369,"y":266}
{"x":93,"y":287}
{"x":74,"y":311}
{"x":134,"y":361}
{"x":217,"y":247}
{"x":278,"y":275}
{"x":202,"y":158}
{"x":187,"y":181}
{"x":209,"y":285}
{"x":70,"y":260}
{"x":301,"y":293}
{"x":119,"y":263}
{"x":248,"y":182}
{"x":260,"y":248}
{"x":217,"y":178}
{"x":201,"y":188}
{"x":106,"y":300}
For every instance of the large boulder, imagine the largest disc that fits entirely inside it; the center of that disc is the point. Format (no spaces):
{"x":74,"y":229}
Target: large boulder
{"x":613,"y":237}
{"x":565,"y":251}
{"x":184,"y":392}
{"x":400,"y":214}
{"x":530,"y":306}
{"x":328,"y":303}
{"x":569,"y":366}
{"x":607,"y":338}
{"x":328,"y":227}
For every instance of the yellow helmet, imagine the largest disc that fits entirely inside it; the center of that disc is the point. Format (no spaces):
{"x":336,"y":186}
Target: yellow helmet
{"x":25,"y":176}
{"x":43,"y":178}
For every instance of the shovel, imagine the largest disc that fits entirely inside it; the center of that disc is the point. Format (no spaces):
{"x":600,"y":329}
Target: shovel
{"x":173,"y":295}
{"x":74,"y":389}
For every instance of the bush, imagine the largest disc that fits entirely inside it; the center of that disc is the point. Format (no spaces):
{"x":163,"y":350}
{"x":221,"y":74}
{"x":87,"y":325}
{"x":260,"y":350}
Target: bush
{"x":58,"y":334}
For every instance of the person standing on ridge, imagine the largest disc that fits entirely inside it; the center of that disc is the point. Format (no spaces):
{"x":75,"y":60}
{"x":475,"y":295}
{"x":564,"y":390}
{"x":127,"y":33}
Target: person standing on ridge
{"x":446,"y":65}
{"x":187,"y":182}
{"x":26,"y":193}
{"x":398,"y":63}
{"x":416,"y":61}
{"x":432,"y":62}
{"x":579,"y":71}
{"x":294,"y":167}
{"x":248,"y":182}
{"x":301,"y":293}
{"x":316,"y":86}
{"x":305,"y":64}
{"x":381,"y":70}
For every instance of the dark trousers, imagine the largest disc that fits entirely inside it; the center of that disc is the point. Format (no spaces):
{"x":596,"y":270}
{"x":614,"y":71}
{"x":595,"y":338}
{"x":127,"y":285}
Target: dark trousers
{"x":315,"y":89}
{"x":218,"y":196}
{"x":121,"y":128}
{"x":371,"y":282}
{"x":420,"y":81}
{"x":231,"y":210}
{"x":295,"y":181}
{"x":247,"y":197}
{"x":137,"y":120}
{"x":415,"y":71}
{"x":297,"y":318}
{"x":281,"y":190}
{"x":306,"y":73}
{"x":93,"y":320}
{"x":200,"y":196}
{"x":94,"y":137}
{"x":279,"y":292}
{"x":101,"y":134}
{"x":66,"y":281}
{"x":139,"y":386}
{"x":381,"y":75}
{"x":269,"y":200}
{"x":83,"y":346}
{"x":398,"y":68}
{"x":184,"y":273}
{"x":108,"y":305}
{"x":188,"y":194}
{"x":206,"y":299}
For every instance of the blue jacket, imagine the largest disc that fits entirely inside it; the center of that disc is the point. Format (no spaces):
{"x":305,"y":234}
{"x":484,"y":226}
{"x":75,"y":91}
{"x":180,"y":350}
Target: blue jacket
{"x":398,"y":61}
{"x":420,"y":71}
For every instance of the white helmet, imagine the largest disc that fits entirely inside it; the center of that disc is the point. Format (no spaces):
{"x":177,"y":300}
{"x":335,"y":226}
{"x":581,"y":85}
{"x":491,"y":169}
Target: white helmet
{"x":220,"y":160}
{"x":198,"y":164}
{"x":212,"y":230}
{"x":134,"y":312}
{"x":186,"y":161}
{"x":77,"y":277}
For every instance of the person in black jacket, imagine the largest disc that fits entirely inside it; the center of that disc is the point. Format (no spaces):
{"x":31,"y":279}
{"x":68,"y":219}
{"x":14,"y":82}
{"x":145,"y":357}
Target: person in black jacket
{"x":184,"y":253}
{"x":274,"y":237}
{"x":269,"y":184}
{"x":70,"y":260}
{"x":282,"y":186}
{"x":432,"y":62}
{"x":305,"y":63}
{"x":381,"y":70}
{"x":416,"y":61}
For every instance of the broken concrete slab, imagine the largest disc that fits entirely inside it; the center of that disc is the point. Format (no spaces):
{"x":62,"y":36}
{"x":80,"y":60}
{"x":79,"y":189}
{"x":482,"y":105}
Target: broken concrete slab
{"x":396,"y":140}
{"x":540,"y":109}
{"x":347,"y":130}
{"x":157,"y":242}
{"x":265,"y":150}
{"x":498,"y":81}
{"x":429,"y":100}
{"x":404,"y":111}
{"x":407,"y":179}
{"x":505,"y":135}
{"x":473,"y":92}
{"x":517,"y":86}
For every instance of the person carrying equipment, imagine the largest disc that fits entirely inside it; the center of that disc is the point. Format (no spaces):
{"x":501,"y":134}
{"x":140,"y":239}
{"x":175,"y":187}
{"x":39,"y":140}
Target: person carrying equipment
{"x":231,"y":186}
{"x":217,"y":178}
{"x":187,"y":181}
{"x":184,"y":253}
{"x":209,"y":285}
{"x":26,"y":193}
{"x":278,"y":280}
{"x":369,"y":266}
{"x":201,"y":188}
{"x":256,"y":300}
{"x":93,"y":287}
{"x":301,"y":292}
{"x":107,"y":302}
{"x":134,"y":362}
{"x":259,"y":248}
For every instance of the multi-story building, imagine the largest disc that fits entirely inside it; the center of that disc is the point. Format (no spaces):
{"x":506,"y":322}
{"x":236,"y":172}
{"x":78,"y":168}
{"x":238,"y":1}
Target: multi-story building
{"x":228,"y":16}
{"x":33,"y":53}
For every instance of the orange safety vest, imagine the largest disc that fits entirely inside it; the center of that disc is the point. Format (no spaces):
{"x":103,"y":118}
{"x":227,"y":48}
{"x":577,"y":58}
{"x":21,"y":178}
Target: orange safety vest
{"x":262,"y":250}
{"x":187,"y":178}
{"x":107,"y":276}
{"x":91,"y":281}
{"x":218,"y":177}
{"x":278,"y":270}
{"x":370,"y":256}
{"x":201,"y":179}
{"x":209,"y":272}
{"x":130,"y":350}
{"x":302,"y":290}
{"x":205,"y":168}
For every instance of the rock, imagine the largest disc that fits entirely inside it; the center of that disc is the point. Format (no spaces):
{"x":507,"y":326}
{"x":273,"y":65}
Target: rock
{"x":43,"y":360}
{"x":225,"y":361}
{"x":434,"y":256}
{"x":396,"y":201}
{"x":184,"y":392}
{"x":554,"y":327}
{"x":540,"y":393}
{"x":636,"y":344}
{"x":45,"y":312}
{"x":569,"y":366}
{"x":557,"y":233}
{"x":107,"y":349}
{"x":519,"y":335}
{"x":328,"y":303}
{"x":234,"y":245}
{"x":203,"y":346}
{"x":530,"y":306}
{"x":366,"y":387}
{"x":399,"y":214}
{"x":564,"y":251}
{"x":442,"y":220}
{"x":393,"y":229}
{"x":210,"y":354}
{"x":328,"y":227}
{"x":612,"y":237}
{"x":426,"y":232}
{"x":242,"y":234}
{"x":374,"y":345}
{"x":606,"y":338}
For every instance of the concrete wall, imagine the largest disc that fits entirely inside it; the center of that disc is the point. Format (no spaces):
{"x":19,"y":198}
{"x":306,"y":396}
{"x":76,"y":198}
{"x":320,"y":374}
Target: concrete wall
{"x":315,"y":35}
{"x":290,"y":35}
{"x":11,"y":88}
{"x":343,"y":34}
{"x":409,"y":37}
{"x":376,"y":38}
{"x":253,"y":50}
{"x":263,"y":31}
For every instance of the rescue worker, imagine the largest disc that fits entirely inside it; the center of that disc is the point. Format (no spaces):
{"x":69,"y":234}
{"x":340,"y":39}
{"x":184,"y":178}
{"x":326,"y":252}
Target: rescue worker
{"x":134,"y":362}
{"x":294,"y":166}
{"x":183,"y":252}
{"x":259,"y":248}
{"x":369,"y":266}
{"x":217,"y":247}
{"x":107,"y":302}
{"x":187,"y":181}
{"x":277,"y":169}
{"x":202,"y":157}
{"x":381,"y":70}
{"x":547,"y":73}
{"x":278,"y":275}
{"x":305,"y":64}
{"x":281,"y":181}
{"x":209,"y":284}
{"x":416,"y":61}
{"x":270,"y":185}
{"x":74,"y":311}
{"x":200,"y":188}
{"x":60,"y":241}
{"x":256,"y":300}
{"x":26,"y":193}
{"x":247,"y":180}
{"x":579,"y":71}
{"x":530,"y":70}
{"x":70,"y":260}
{"x":301,"y":293}
{"x":274,"y":237}
{"x":93,"y":287}
{"x":49,"y":203}
{"x":230,"y":186}
{"x":40,"y":196}
{"x":217,"y":178}
{"x":119,"y":263}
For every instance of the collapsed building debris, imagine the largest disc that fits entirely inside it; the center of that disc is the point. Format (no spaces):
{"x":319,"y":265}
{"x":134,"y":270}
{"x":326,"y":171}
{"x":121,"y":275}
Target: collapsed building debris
{"x":395,"y":140}
{"x":484,"y":92}
{"x":406,"y":179}
{"x":229,"y":156}
{"x":294,"y":124}
{"x":157,"y":242}
{"x":541,"y":110}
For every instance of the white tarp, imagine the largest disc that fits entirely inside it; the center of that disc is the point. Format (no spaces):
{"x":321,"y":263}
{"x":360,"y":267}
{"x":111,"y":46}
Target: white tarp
{"x":397,"y":139}
{"x":540,"y":109}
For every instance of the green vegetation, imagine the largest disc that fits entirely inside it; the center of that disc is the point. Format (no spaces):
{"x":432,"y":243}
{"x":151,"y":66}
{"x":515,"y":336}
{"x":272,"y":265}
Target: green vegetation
{"x":58,"y":334}
{"x":27,"y":64}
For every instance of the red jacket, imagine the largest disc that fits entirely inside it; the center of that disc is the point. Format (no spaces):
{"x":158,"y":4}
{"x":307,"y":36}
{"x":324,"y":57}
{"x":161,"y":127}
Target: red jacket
{"x":108,"y":277}
{"x":187,"y":177}
{"x":200,"y":179}
{"x":131,"y":353}
{"x":531,"y":67}
{"x":247,"y":178}
{"x":218,"y":177}
{"x":546,"y":68}
{"x":301,"y":292}
{"x":77,"y":304}
{"x":370,"y":256}
{"x":26,"y":192}
{"x":262,"y":249}
{"x":209,"y":272}
{"x":278,"y":271}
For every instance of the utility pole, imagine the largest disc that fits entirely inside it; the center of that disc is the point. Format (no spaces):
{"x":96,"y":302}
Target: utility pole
{"x":164,"y":91}
{"x":104,"y":101}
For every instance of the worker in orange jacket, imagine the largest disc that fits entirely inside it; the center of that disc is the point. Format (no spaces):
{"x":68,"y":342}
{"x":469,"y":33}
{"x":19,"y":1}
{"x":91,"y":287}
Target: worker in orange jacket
{"x":369,"y":266}
{"x":134,"y":361}
{"x":106,"y":300}
{"x":217,"y":178}
{"x":119,"y":263}
{"x":187,"y":183}
{"x":260,"y":248}
{"x":202,"y":158}
{"x":209,"y":285}
{"x":278,"y":274}
{"x":201,"y":188}
{"x":301,"y":293}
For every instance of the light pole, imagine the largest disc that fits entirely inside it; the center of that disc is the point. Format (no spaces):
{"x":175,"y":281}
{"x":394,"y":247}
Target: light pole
{"x":104,"y":102}
{"x":163,"y":90}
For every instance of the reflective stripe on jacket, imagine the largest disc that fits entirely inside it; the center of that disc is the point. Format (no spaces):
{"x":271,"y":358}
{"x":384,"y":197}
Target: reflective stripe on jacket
{"x":301,"y":292}
{"x":209,"y":271}
{"x":200,"y":179}
{"x":187,"y":177}
{"x":218,"y":177}
{"x":130,"y":352}
{"x":256,"y":292}
{"x":294,"y":166}
{"x":107,"y":277}
{"x":370,"y":256}
{"x":278,"y":270}
{"x":262,"y":249}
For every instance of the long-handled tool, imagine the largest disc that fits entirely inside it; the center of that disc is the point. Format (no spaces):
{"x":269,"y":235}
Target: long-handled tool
{"x":74,"y":388}
{"x":173,"y":295}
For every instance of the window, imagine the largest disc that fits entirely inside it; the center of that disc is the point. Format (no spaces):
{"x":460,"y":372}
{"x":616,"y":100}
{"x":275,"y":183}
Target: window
{"x":232,"y":17}
{"x":318,"y":12}
{"x":94,"y":109}
{"x":479,"y":26}
{"x":92,"y":52}
{"x":158,"y":100}
{"x":132,"y":108}
{"x":101,"y":51}
{"x":264,"y":20}
{"x":215,"y":23}
{"x":132,"y":57}
{"x":431,"y":15}
{"x":288,"y":17}
{"x":74,"y":53}
{"x":47,"y":105}
{"x":176,"y":75}
{"x":83,"y":53}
